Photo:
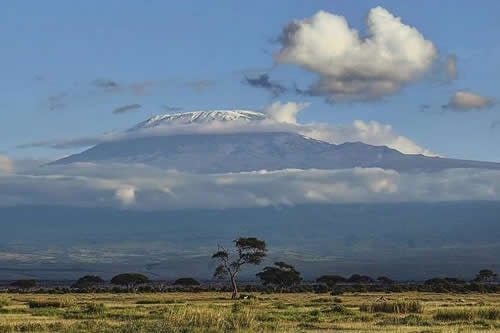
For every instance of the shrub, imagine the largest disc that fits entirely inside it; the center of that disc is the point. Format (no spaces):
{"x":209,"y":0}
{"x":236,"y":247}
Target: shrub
{"x":186,"y":281}
{"x":489,"y":314}
{"x":236,"y":307}
{"x":337,"y":292}
{"x":409,"y":320}
{"x":60,"y":302}
{"x":356,"y":278}
{"x":393,"y":307}
{"x":331,"y":280}
{"x":339,"y":308}
{"x":24,"y":284}
{"x":385,"y":280}
{"x":4,"y":301}
{"x":454,"y":315}
{"x":94,"y":308}
{"x":467,"y":314}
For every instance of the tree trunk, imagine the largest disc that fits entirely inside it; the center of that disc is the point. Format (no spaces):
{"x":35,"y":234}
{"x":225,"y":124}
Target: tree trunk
{"x":234,"y":295}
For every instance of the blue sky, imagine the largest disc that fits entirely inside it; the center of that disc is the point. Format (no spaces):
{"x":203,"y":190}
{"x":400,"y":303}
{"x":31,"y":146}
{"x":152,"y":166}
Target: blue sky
{"x":153,"y":48}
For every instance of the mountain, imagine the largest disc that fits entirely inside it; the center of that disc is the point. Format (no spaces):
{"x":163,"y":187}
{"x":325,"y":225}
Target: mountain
{"x":199,"y":117}
{"x":249,"y":151}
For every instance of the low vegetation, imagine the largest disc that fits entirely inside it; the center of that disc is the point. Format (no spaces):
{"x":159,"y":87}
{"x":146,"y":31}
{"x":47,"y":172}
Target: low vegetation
{"x":253,"y":312}
{"x":393,"y":307}
{"x":282,"y":302}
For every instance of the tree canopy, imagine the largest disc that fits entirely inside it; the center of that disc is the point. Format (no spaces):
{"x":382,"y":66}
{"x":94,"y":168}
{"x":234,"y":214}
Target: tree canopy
{"x":87,"y":281}
{"x":281,"y":274}
{"x":129,"y":279}
{"x":331,"y":280}
{"x":486,"y":275}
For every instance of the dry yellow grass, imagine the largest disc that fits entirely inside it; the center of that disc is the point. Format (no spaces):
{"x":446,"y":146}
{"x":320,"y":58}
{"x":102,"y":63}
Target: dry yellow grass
{"x":215,"y":312}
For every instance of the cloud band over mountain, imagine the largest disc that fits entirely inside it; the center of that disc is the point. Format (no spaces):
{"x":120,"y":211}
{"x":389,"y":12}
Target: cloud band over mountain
{"x":142,"y":187}
{"x":278,"y":117}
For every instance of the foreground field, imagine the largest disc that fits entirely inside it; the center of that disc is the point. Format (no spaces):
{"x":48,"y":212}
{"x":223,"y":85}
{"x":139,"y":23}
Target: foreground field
{"x":214,"y":312}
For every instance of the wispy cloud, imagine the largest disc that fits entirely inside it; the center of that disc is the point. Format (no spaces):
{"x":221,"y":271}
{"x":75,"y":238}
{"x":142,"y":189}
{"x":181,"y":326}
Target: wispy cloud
{"x":106,"y":84}
{"x":263,"y":81}
{"x":136,"y":88}
{"x":126,"y":108}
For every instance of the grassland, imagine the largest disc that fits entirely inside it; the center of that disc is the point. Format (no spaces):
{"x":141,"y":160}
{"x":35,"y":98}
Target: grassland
{"x":215,"y":312}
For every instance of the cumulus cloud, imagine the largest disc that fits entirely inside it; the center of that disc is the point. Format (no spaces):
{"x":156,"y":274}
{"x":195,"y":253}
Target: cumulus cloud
{"x":142,"y":187}
{"x":371,"y":132}
{"x":467,"y":101}
{"x":263,"y":81}
{"x":351,"y":67}
{"x":285,"y":112}
{"x":6,"y":165}
{"x":126,"y":108}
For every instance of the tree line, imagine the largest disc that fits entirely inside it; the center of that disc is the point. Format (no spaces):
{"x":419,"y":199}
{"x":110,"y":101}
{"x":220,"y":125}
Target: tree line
{"x":253,"y":251}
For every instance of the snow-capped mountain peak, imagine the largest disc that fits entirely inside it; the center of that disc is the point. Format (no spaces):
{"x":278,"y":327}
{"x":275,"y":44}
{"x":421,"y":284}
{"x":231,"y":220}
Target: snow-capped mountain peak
{"x":197,"y":117}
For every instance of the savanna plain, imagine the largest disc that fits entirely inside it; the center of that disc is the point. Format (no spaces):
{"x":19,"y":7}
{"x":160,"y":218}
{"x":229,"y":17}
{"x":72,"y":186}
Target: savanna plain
{"x":416,"y":312}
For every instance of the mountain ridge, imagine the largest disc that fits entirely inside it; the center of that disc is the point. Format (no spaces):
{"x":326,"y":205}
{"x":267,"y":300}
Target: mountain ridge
{"x":238,"y":152}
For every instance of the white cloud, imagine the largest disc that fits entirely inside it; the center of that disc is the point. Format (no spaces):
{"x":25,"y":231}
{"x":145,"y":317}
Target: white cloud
{"x":355,"y":68}
{"x":285,"y":112}
{"x":371,"y":132}
{"x":141,"y":187}
{"x":466,"y":101}
{"x":281,"y":118}
{"x":6,"y":164}
{"x":126,"y":195}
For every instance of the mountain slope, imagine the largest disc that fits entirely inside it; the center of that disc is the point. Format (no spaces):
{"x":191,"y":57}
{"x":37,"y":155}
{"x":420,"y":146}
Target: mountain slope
{"x":236,"y":152}
{"x":404,"y":240}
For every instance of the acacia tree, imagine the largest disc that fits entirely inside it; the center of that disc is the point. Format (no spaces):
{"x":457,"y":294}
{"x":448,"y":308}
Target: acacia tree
{"x":87,"y":281}
{"x":281,"y":274}
{"x":130,"y":280}
{"x":486,"y":275}
{"x":248,"y":251}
